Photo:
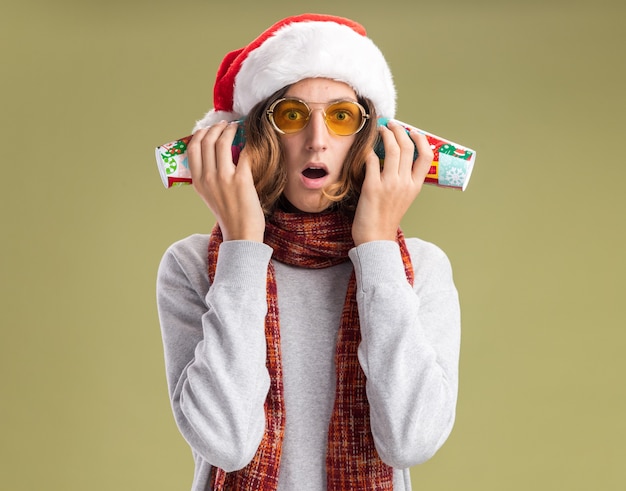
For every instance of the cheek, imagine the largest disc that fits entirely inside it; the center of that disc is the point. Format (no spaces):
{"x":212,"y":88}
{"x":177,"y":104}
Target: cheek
{"x":289,"y":152}
{"x":346,"y":145}
{"x":289,"y":161}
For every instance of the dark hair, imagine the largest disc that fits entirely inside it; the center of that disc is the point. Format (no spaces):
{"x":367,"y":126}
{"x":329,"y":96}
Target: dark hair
{"x":268,"y":169}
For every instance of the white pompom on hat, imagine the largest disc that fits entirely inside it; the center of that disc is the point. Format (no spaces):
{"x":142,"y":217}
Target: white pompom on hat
{"x":295,"y":48}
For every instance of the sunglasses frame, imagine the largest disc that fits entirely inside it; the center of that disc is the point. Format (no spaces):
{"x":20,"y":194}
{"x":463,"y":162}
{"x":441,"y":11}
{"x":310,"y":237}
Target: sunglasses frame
{"x":270,"y":114}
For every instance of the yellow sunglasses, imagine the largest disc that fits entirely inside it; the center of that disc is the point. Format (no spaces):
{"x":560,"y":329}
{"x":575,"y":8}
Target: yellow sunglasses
{"x":344,"y":118}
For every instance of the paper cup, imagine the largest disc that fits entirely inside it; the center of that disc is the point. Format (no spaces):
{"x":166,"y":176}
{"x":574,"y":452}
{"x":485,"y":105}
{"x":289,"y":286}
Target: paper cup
{"x":172,"y":163}
{"x":452,"y":163}
{"x":172,"y":158}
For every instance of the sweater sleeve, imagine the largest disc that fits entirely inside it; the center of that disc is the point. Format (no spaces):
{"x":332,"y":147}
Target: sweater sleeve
{"x":410,"y":348}
{"x":214,"y":345}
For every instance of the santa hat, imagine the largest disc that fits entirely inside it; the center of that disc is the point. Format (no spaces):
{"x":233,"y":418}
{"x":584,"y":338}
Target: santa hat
{"x":295,"y":48}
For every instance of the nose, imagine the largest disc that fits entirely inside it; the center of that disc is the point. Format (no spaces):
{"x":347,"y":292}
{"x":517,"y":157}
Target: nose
{"x":317,"y":131}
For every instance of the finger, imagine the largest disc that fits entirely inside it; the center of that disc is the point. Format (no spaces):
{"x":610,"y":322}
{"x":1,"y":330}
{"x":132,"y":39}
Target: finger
{"x":406,"y":146}
{"x":223,"y":148}
{"x":372,"y":166}
{"x":392,"y":150}
{"x":194,"y":154}
{"x":208,"y":143}
{"x":244,"y":159}
{"x":425,"y":155}
{"x":243,"y":168}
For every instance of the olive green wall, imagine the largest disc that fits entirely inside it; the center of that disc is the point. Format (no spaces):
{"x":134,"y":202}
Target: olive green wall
{"x":89,"y":88}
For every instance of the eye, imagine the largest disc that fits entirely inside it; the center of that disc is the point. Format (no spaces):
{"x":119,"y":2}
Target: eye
{"x":342,"y":116}
{"x":293,"y":114}
{"x":292,"y":111}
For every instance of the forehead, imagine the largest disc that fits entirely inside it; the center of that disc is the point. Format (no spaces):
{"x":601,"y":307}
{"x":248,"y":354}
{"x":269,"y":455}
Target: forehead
{"x":321,"y":90}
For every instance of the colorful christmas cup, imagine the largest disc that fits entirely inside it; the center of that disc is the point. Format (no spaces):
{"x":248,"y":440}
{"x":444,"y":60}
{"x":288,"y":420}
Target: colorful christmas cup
{"x":172,"y":163}
{"x":452,"y":163}
{"x":172,"y":159}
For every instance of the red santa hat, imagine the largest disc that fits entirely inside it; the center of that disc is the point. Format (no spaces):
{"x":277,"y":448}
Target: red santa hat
{"x":295,"y":48}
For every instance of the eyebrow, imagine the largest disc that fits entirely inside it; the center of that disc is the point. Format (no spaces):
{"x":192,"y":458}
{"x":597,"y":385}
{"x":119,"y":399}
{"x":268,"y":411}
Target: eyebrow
{"x":332,"y":101}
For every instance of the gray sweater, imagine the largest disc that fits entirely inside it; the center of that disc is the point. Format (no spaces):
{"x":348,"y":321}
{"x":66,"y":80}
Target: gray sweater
{"x":215,"y":350}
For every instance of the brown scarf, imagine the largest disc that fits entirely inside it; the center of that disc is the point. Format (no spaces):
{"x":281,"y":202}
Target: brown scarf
{"x":352,"y":463}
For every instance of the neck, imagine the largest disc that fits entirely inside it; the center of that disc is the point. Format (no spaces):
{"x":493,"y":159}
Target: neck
{"x":286,"y":206}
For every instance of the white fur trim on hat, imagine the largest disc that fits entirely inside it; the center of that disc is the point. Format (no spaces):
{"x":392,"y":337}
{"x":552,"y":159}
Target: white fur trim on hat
{"x":315,"y":49}
{"x":213,"y":117}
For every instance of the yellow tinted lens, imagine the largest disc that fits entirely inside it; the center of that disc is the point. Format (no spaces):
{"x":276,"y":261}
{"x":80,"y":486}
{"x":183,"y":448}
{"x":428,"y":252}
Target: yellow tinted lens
{"x":290,"y":115}
{"x":344,"y":118}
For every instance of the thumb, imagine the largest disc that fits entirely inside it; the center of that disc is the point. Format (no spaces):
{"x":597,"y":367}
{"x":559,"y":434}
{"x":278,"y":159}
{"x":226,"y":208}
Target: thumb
{"x":372,"y":167}
{"x":243,"y":165}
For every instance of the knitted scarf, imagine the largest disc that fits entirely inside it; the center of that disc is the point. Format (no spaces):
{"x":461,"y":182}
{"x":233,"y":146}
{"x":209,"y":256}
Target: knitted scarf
{"x":352,"y":463}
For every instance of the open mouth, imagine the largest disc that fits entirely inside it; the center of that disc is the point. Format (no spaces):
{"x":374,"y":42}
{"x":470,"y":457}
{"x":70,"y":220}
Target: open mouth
{"x":314,"y":173}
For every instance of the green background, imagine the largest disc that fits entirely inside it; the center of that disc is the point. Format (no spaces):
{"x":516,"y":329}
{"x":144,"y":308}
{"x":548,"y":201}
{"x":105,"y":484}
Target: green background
{"x":89,"y":88}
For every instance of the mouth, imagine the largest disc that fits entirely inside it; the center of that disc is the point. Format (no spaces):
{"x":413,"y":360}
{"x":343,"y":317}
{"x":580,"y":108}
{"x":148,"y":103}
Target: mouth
{"x":314,"y":173}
